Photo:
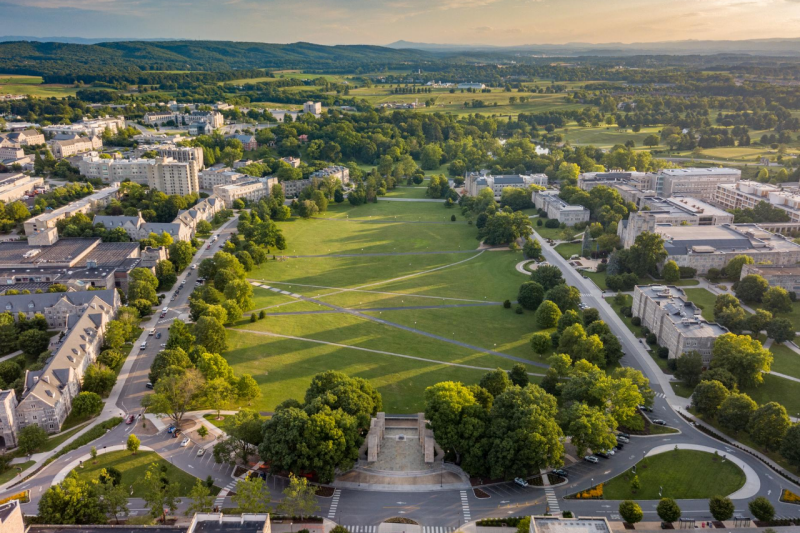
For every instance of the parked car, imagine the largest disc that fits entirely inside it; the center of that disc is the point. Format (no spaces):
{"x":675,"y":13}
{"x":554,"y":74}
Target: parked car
{"x":143,"y":346}
{"x":152,"y":331}
{"x":611,"y":451}
{"x":200,"y":452}
{"x":148,"y":385}
{"x":163,"y":345}
{"x":591,"y":459}
{"x":623,"y":434}
{"x":171,"y":428}
{"x":619,"y":446}
{"x":645,"y":408}
{"x":194,"y":266}
{"x":521,"y":482}
{"x":604,"y":455}
{"x":185,"y":442}
{"x":158,"y":335}
{"x":175,"y":433}
{"x":560,"y":472}
{"x":130,"y":419}
{"x":624,"y":440}
{"x":659,"y":422}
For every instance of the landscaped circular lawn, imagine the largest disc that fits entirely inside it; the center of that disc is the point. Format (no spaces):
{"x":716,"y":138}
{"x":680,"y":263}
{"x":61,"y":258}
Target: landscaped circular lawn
{"x":683,"y":474}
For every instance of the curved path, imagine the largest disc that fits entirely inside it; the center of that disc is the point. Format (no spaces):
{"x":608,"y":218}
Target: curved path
{"x":752,"y":484}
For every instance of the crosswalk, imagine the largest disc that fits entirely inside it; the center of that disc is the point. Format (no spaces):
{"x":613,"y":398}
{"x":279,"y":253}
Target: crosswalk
{"x":660,"y":395}
{"x":465,"y":506}
{"x":552,"y":501}
{"x":335,"y":504}
{"x":224,"y":492}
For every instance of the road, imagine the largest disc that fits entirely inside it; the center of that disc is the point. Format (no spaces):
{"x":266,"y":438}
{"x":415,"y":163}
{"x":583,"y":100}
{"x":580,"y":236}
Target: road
{"x":439,"y":511}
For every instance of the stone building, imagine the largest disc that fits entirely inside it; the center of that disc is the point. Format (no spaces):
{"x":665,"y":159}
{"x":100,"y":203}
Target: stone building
{"x":558,"y":209}
{"x":676,"y":322}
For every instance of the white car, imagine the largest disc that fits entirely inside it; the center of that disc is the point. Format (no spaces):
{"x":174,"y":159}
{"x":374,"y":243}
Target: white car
{"x":200,"y":452}
{"x":521,"y":482}
{"x":194,"y":266}
{"x":185,"y":442}
{"x":591,"y":459}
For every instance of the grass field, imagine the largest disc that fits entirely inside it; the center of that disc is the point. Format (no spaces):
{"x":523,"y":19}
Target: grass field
{"x":785,"y":361}
{"x":283,"y":368}
{"x":567,"y":250}
{"x":408,"y":280}
{"x":685,"y":474}
{"x":776,"y":389}
{"x":703,"y":299}
{"x":14,"y":470}
{"x":33,"y":86}
{"x":415,"y":191}
{"x":133,"y":469}
{"x":557,"y":234}
{"x":599,"y":278}
{"x":605,"y":136}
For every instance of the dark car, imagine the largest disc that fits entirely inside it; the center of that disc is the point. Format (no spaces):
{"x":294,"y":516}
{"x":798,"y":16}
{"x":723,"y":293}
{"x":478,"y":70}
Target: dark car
{"x":604,"y":455}
{"x":158,"y":335}
{"x":148,"y":385}
{"x":560,"y":472}
{"x":176,"y":433}
{"x":619,"y":446}
{"x":646,"y":408}
{"x":659,"y":422}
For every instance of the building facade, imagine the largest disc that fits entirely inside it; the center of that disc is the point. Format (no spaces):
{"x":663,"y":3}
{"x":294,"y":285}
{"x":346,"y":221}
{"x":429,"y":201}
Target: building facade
{"x":78,"y":145}
{"x":748,"y":194}
{"x":695,"y":182}
{"x":181,"y":154}
{"x":90,"y":128}
{"x":171,"y":177}
{"x":787,"y":277}
{"x":252,"y":190}
{"x":676,"y":322}
{"x":475,"y":182}
{"x":92,"y":202}
{"x":137,"y":228}
{"x":558,"y":209}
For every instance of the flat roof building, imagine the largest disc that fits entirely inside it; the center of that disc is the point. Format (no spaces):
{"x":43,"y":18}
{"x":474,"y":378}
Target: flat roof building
{"x":705,"y":247}
{"x":696,"y":182}
{"x":747,"y":194}
{"x":676,"y":322}
{"x":90,"y":127}
{"x":252,"y":190}
{"x":787,"y":277}
{"x":558,"y":209}
{"x":475,"y":182}
{"x":92,"y":202}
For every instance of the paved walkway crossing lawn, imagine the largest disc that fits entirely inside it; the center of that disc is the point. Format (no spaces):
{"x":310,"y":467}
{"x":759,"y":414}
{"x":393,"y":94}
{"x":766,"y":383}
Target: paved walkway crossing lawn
{"x":685,"y":474}
{"x":786,"y":361}
{"x":133,"y":469}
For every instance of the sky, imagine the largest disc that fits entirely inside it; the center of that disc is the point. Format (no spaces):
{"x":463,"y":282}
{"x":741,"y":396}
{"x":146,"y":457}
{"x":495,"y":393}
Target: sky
{"x":494,"y":22}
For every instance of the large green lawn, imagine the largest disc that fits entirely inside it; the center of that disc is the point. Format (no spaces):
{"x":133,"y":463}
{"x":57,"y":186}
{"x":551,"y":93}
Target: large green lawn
{"x":133,"y":469}
{"x":567,"y":250}
{"x":776,"y":389}
{"x":283,"y":368}
{"x":785,"y":361}
{"x":599,"y":278}
{"x":685,"y":474}
{"x":414,"y":191}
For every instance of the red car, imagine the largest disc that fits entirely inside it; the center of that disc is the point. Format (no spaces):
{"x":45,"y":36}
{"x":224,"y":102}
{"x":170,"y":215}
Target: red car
{"x":130,"y":419}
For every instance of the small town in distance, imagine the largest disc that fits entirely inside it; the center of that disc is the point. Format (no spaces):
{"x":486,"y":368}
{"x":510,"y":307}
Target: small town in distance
{"x":469,"y":285}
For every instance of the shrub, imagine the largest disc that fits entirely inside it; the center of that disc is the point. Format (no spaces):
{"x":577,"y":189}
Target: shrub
{"x":551,"y":223}
{"x":687,"y":272}
{"x":663,"y":352}
{"x":762,"y":509}
{"x":636,"y":321}
{"x":507,"y":304}
{"x":519,"y":310}
{"x":630,"y":512}
{"x":651,"y":338}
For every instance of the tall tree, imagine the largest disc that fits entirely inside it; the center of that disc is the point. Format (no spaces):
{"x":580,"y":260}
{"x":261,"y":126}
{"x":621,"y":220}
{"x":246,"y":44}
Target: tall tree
{"x":159,"y":493}
{"x":252,"y":495}
{"x":299,"y":498}
{"x":743,"y":357}
{"x":769,"y":424}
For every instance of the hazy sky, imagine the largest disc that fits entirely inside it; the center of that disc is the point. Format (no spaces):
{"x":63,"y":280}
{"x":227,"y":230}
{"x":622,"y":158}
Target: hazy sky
{"x":500,"y":22}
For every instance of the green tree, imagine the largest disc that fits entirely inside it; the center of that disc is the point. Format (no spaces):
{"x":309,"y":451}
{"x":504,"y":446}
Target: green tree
{"x":565,"y":297}
{"x":751,"y":288}
{"x":87,"y":404}
{"x":768,"y":425}
{"x":33,"y":342}
{"x":689,"y":367}
{"x":431,"y":157}
{"x":781,"y":330}
{"x":743,"y":357}
{"x":202,"y":500}
{"x":247,"y":389}
{"x":523,"y":435}
{"x":31,"y":438}
{"x":532,"y":249}
{"x":735,"y":412}
{"x":133,"y":443}
{"x":630,"y":512}
{"x":540,"y":343}
{"x":181,"y":253}
{"x":73,"y":501}
{"x":530,"y":295}
{"x":211,"y":334}
{"x":217,"y":393}
{"x":113,"y":498}
{"x":671,"y":272}
{"x":762,"y":509}
{"x":668,"y":510}
{"x":252,"y":495}
{"x":299,"y":498}
{"x":651,"y":140}
{"x":636,"y":485}
{"x":167,"y":362}
{"x":99,"y":379}
{"x":547,"y":315}
{"x":159,"y":494}
{"x":708,"y":397}
{"x":733,"y":270}
{"x":721,"y":508}
{"x":569,"y":318}
{"x":776,"y":300}
{"x":165,"y":273}
{"x":590,"y":427}
{"x":180,"y":336}
{"x":548,"y":276}
{"x":174,"y":395}
{"x":496,"y":381}
{"x":519,"y":375}
{"x":647,"y":252}
{"x":758,"y":321}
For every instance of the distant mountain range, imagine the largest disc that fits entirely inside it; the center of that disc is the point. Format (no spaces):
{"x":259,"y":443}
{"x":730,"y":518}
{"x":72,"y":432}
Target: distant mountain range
{"x":770,"y":47}
{"x":73,"y":40}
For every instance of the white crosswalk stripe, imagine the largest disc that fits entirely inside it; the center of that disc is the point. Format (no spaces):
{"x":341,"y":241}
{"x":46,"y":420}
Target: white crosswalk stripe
{"x":431,"y":529}
{"x":552,"y":501}
{"x":228,"y":488}
{"x":661,"y":395}
{"x":361,"y":529}
{"x":465,"y":506}
{"x":334,"y":504}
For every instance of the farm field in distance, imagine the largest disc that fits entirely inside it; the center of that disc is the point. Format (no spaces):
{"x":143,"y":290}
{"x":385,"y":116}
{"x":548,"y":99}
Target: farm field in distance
{"x":33,"y":86}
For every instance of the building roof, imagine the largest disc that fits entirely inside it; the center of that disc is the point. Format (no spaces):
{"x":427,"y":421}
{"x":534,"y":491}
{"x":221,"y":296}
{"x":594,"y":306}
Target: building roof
{"x":682,"y":205}
{"x":64,"y":251}
{"x":745,"y":238}
{"x":696,"y":171}
{"x":684,"y":314}
{"x":113,"y":222}
{"x":21,"y":302}
{"x":571,"y":525}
